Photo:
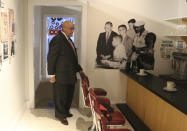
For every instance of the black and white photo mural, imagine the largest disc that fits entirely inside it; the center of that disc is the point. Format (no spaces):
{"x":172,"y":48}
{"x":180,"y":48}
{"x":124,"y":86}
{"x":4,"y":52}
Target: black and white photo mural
{"x":130,"y":48}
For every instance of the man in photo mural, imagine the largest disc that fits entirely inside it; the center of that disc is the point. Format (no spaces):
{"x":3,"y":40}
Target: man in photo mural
{"x":139,"y":43}
{"x":62,"y":66}
{"x":104,"y":44}
{"x":131,"y":32}
{"x":129,"y":39}
{"x":146,"y":57}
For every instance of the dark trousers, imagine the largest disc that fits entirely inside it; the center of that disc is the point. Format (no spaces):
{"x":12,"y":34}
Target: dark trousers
{"x":63,"y":96}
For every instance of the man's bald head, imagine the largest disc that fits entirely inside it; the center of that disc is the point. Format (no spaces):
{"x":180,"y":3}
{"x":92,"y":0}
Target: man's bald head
{"x":68,"y":28}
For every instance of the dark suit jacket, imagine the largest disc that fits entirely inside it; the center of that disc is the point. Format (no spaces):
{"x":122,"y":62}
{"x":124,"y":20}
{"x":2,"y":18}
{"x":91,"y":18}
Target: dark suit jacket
{"x":103,"y":47}
{"x":62,"y":61}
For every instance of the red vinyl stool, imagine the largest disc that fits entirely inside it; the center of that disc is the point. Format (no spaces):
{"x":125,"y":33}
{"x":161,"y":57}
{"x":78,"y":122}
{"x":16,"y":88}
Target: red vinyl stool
{"x":86,"y":100}
{"x":117,"y":118}
{"x":100,"y":100}
{"x":98,"y":91}
{"x":104,"y":127}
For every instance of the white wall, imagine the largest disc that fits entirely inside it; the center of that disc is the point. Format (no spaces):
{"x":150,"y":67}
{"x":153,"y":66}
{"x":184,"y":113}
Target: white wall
{"x":37,"y":45}
{"x":182,"y":8}
{"x":154,"y":9}
{"x":119,"y":12}
{"x":12,"y":76}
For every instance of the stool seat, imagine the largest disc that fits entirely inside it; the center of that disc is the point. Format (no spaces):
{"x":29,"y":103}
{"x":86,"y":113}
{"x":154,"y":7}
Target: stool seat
{"x":116,"y":130}
{"x":100,"y":100}
{"x":100,"y":92}
{"x":117,"y":119}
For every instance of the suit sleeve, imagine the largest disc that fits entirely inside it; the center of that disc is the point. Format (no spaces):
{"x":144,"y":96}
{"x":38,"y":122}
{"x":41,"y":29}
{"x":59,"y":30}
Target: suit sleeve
{"x":78,"y":68}
{"x":98,"y":49}
{"x":52,"y":57}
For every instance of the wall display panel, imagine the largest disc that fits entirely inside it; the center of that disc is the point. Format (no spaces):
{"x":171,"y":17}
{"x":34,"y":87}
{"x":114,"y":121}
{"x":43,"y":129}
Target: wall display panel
{"x":12,"y":44}
{"x":5,"y":51}
{"x":1,"y":4}
{"x":11,"y":22}
{"x":166,"y":49}
{"x":7,"y":34}
{"x":4,"y":26}
{"x":129,"y":48}
{"x":12,"y":47}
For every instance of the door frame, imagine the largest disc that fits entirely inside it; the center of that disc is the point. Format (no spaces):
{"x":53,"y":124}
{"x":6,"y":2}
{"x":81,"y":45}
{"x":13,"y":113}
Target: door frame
{"x":29,"y":49}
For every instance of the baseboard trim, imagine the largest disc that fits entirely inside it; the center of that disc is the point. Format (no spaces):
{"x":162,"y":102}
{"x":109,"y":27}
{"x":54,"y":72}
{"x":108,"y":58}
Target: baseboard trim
{"x":17,"y":118}
{"x":30,"y":104}
{"x":133,"y":119}
{"x":115,"y":102}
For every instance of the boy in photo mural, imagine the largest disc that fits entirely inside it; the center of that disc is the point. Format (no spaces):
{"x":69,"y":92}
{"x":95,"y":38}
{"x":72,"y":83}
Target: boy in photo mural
{"x":119,"y":54}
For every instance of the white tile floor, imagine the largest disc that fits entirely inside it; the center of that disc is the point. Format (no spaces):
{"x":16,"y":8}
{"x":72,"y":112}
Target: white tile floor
{"x":44,"y":120}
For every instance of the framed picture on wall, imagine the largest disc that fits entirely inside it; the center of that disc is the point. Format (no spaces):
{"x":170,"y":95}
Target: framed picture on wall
{"x":1,"y":4}
{"x":4,"y":26}
{"x":11,"y":49}
{"x":5,"y":51}
{"x":166,"y":49}
{"x":11,"y":22}
{"x":11,"y":46}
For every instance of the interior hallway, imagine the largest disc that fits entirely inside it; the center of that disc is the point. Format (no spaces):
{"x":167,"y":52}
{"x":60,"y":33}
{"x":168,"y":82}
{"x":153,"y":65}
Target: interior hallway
{"x":17,"y":75}
{"x":44,"y":95}
{"x":44,"y":120}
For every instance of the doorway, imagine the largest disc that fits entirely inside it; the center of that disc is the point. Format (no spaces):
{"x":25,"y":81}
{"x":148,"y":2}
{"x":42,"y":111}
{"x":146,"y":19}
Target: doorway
{"x":53,"y":26}
{"x":48,"y":21}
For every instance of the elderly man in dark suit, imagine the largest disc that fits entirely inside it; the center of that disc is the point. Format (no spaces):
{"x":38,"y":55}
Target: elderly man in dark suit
{"x":104,"y":44}
{"x":63,"y":66}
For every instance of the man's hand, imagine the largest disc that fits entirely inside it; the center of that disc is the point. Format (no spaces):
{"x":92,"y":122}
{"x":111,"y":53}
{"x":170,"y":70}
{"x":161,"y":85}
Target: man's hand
{"x":53,"y":79}
{"x":106,"y":57}
{"x":84,"y":77}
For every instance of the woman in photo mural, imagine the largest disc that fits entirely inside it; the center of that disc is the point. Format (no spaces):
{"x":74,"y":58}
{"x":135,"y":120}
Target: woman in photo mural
{"x":128,"y":39}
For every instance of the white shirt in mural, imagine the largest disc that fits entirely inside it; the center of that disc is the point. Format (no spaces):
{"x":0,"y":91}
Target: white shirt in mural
{"x":119,"y":52}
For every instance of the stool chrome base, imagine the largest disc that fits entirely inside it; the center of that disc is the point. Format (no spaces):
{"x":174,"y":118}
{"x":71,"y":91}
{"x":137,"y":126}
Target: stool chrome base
{"x":92,"y":128}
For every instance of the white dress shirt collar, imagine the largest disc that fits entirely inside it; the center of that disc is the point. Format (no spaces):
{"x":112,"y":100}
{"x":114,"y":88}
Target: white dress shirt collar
{"x":69,"y":42}
{"x":65,"y":35}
